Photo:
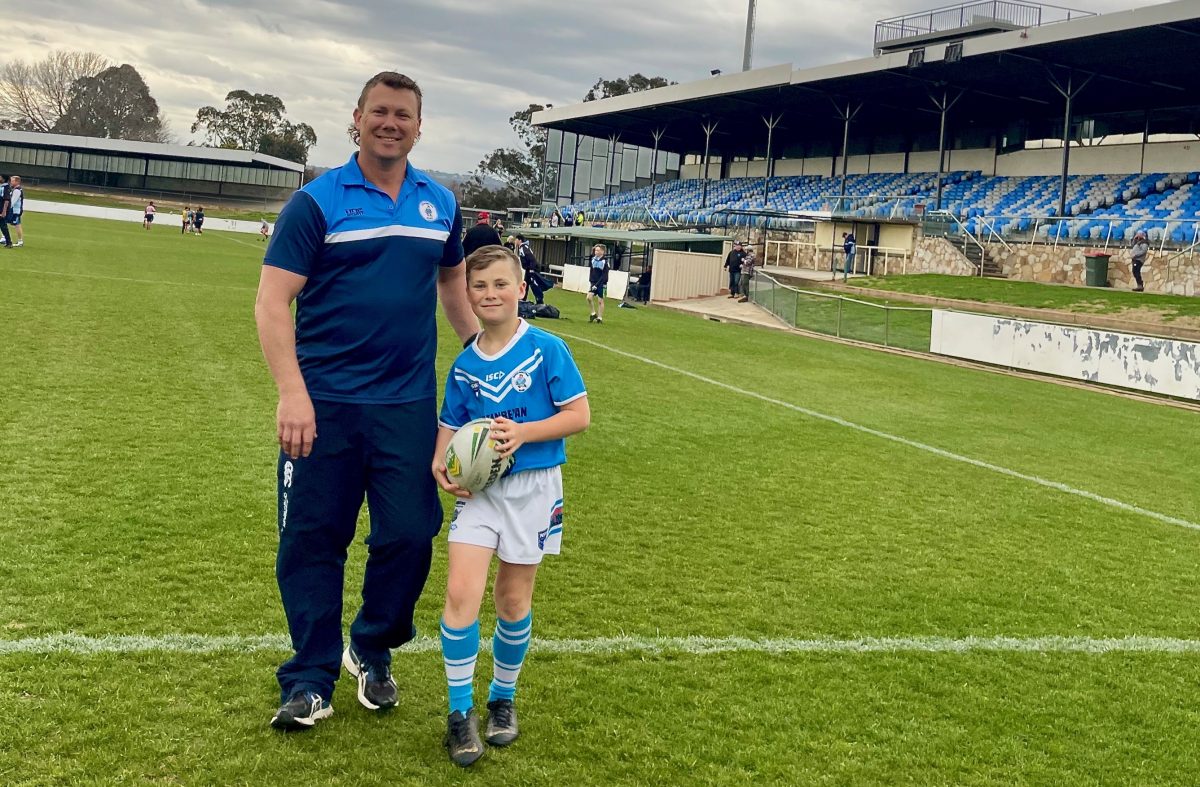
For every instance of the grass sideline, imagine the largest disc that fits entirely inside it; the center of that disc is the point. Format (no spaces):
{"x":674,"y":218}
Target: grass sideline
{"x":137,"y":203}
{"x":138,"y":499}
{"x":1084,"y":300}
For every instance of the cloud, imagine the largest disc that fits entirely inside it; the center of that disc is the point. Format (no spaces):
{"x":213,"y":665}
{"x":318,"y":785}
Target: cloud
{"x":477,"y":63}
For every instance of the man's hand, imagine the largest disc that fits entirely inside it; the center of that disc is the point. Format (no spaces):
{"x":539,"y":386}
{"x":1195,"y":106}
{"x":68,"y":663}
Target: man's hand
{"x":297,"y":424}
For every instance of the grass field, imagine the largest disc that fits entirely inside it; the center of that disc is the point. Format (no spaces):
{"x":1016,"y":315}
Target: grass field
{"x":875,"y":608}
{"x":137,"y":203}
{"x":1088,"y":300}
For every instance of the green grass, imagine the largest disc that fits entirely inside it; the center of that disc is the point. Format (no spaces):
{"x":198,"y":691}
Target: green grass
{"x":1089,"y":300}
{"x":861,"y":319}
{"x":137,"y":203}
{"x":137,"y":497}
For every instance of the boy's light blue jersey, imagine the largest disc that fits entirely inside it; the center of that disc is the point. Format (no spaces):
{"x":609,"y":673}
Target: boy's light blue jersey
{"x":529,"y":380}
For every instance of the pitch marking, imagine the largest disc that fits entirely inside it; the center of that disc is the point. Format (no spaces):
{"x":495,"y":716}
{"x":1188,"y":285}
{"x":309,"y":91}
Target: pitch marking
{"x":1108,"y":501}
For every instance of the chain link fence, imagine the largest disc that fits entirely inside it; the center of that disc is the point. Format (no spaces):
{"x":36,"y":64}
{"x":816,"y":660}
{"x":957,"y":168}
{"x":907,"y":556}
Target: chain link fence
{"x":847,"y":318}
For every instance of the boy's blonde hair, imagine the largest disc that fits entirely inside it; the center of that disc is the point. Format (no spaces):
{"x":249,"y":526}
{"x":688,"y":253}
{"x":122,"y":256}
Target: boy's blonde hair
{"x":485,"y":256}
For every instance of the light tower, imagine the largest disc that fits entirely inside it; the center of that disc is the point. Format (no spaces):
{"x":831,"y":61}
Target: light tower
{"x":748,"y":52}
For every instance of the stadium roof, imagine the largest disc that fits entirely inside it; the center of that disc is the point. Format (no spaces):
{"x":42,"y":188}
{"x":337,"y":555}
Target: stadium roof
{"x":152,"y":149}
{"x":1137,"y":60}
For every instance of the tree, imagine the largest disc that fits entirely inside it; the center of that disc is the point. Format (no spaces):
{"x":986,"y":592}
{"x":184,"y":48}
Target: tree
{"x":255,"y":121}
{"x":634,"y":83}
{"x":520,"y":168}
{"x":115,"y":104}
{"x":34,"y":96}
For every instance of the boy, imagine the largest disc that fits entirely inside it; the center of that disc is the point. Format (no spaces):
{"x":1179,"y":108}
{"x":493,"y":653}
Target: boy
{"x":187,"y":219}
{"x":198,"y":220}
{"x":264,"y":230}
{"x":526,"y":381}
{"x":16,"y":208}
{"x":597,"y":283}
{"x":148,"y":218}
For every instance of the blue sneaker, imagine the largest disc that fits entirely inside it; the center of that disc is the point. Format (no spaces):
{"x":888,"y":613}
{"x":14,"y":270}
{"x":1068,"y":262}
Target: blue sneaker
{"x":376,"y":689}
{"x":302,"y":711}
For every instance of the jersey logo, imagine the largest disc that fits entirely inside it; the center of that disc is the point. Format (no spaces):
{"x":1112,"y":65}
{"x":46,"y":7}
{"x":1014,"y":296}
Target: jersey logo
{"x":428,"y":212}
{"x":496,"y":392}
{"x":354,"y":211}
{"x":521,"y":382}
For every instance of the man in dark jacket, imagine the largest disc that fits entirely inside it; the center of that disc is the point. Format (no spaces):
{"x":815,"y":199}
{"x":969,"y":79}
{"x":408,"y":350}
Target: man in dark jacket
{"x":733,"y":264}
{"x":480,"y":235}
{"x":529,"y":264}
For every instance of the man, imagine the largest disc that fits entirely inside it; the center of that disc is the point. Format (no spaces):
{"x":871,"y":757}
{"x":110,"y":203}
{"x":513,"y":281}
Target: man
{"x":529,"y":264}
{"x":16,"y":207}
{"x":482,"y":234}
{"x":849,"y":245}
{"x":4,"y":187}
{"x":1137,"y":255}
{"x":365,"y":250}
{"x":733,"y":264}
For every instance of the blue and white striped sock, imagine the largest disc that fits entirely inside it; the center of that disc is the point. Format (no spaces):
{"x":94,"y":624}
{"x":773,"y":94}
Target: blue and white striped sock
{"x":509,"y":644}
{"x":460,"y":648}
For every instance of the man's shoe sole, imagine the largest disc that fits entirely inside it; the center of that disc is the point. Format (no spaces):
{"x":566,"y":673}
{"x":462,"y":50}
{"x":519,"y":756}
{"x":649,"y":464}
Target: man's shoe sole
{"x":361,"y":678}
{"x":292,"y":724}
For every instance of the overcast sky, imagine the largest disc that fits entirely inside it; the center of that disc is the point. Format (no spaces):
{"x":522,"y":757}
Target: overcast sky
{"x":476,"y":62}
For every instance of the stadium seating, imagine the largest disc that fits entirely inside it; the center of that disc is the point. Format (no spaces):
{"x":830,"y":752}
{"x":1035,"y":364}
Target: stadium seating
{"x":1098,"y":207}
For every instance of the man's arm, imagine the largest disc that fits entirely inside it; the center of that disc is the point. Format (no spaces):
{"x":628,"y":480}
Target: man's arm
{"x":296,"y":421}
{"x":452,"y":291}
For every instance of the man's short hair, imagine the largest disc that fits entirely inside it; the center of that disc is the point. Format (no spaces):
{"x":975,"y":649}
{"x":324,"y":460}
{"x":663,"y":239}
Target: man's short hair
{"x":392,"y":79}
{"x":520,"y":237}
{"x":485,"y":256}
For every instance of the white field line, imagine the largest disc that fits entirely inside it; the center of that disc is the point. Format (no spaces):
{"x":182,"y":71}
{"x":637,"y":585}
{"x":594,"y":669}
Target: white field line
{"x":75,"y":644}
{"x":1056,"y":485}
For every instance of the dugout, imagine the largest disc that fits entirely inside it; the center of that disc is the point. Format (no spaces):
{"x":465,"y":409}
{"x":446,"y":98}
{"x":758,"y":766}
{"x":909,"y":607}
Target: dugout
{"x":565,"y":251}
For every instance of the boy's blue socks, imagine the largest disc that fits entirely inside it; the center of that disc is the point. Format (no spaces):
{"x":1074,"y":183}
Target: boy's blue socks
{"x":460,"y":648}
{"x":509,"y":645}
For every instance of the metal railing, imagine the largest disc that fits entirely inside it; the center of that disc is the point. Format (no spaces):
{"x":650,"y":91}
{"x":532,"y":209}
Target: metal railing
{"x":954,"y":17}
{"x":867,"y":259}
{"x":847,"y":318}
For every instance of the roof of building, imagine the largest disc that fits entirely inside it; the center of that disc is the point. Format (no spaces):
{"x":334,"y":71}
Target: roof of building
{"x":630,"y":236}
{"x":150,"y":149}
{"x":1130,"y":60}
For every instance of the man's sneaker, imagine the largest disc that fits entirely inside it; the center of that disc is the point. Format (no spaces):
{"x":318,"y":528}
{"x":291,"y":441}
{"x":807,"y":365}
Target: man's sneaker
{"x":502,"y":723}
{"x":302,"y":710}
{"x":592,"y":318}
{"x":376,"y":689}
{"x":462,"y":738}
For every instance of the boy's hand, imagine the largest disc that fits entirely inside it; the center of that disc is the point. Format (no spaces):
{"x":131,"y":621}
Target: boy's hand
{"x":508,"y":434}
{"x":443,"y":480}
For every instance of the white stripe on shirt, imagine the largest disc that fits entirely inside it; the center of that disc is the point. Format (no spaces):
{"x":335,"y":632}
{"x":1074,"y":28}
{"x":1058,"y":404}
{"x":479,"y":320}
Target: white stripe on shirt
{"x":390,"y":231}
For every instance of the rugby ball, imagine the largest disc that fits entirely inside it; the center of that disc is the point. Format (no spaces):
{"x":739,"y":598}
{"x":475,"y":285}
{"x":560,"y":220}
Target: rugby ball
{"x":472,"y":458}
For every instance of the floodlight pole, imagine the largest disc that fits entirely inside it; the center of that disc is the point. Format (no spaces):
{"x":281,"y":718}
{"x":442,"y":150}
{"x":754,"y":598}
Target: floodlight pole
{"x":772,"y":121}
{"x":709,"y":128}
{"x":658,"y":135}
{"x":1068,"y":92}
{"x":748,"y":51}
{"x":943,"y":107}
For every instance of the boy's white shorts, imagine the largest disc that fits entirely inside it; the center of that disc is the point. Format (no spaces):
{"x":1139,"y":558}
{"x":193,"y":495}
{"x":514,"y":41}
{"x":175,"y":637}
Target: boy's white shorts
{"x":519,"y":516}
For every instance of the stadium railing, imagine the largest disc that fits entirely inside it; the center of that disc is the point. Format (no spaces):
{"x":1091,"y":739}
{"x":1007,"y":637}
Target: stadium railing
{"x":847,"y":318}
{"x":874,"y":260}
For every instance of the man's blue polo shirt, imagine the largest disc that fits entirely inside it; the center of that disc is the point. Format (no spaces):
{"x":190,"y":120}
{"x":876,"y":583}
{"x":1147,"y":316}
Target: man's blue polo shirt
{"x":365,"y":320}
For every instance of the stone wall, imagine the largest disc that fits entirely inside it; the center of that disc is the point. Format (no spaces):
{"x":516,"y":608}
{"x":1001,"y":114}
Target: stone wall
{"x":1168,"y":271}
{"x":938,"y":255}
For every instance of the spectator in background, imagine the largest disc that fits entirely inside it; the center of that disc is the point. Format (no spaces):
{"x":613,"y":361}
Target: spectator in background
{"x":618,"y":256}
{"x":598,"y":281}
{"x":529,"y":264}
{"x":186,"y":215}
{"x":733,"y":264}
{"x":554,"y":219}
{"x":16,"y":207}
{"x":4,"y":189}
{"x":148,"y":219}
{"x":579,"y":219}
{"x":849,"y":245}
{"x":510,"y":243}
{"x":749,"y":260}
{"x":1138,"y":254}
{"x":198,"y":220}
{"x":499,"y":228}
{"x":482,"y":234}
{"x":264,"y":230}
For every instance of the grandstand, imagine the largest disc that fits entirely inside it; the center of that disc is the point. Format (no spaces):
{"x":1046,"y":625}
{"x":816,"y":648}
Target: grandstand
{"x":965,"y":119}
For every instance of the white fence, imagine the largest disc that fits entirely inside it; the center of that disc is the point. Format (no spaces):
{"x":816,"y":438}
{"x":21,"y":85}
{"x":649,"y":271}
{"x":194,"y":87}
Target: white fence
{"x":174,"y":220}
{"x":1161,"y":366}
{"x":882,"y":260}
